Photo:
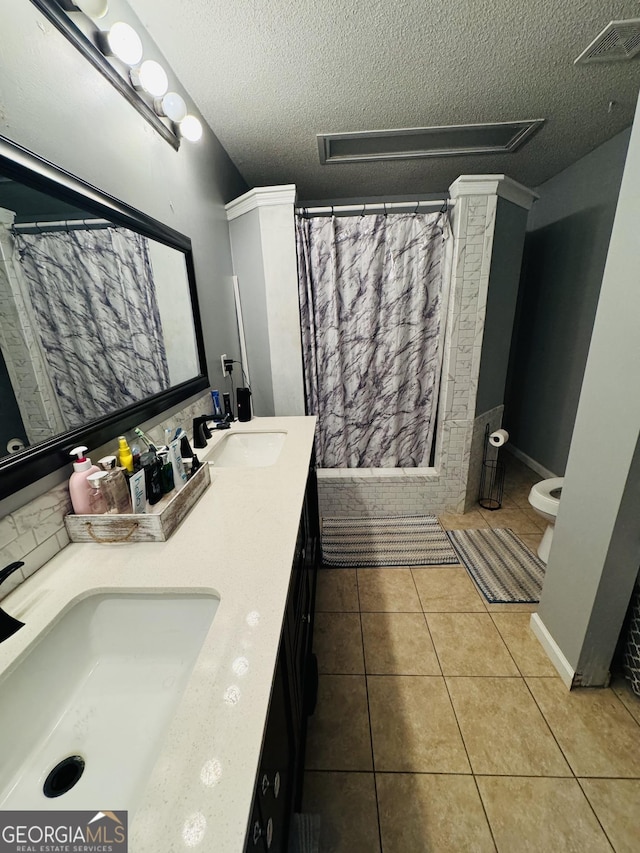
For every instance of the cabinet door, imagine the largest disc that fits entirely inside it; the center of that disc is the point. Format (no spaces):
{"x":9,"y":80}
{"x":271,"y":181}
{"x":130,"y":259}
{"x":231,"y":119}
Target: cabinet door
{"x":274,"y":783}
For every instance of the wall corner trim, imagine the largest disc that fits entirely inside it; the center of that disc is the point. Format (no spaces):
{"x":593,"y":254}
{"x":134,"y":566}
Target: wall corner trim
{"x":554,"y":653}
{"x":499,"y":185}
{"x":260,"y":197}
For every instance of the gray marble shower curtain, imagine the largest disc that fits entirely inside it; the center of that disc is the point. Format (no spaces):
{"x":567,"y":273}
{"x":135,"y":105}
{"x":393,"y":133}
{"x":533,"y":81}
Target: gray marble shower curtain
{"x":371,"y":302}
{"x":94,"y":299}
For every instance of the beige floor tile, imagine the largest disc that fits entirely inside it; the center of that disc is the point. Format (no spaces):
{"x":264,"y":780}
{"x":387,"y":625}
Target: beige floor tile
{"x":522,"y":607}
{"x":398,"y":644}
{"x":337,"y":642}
{"x":337,"y":591}
{"x":435,"y":813}
{"x":383,"y":590}
{"x":616,"y":802}
{"x":471,"y":520}
{"x":539,"y":815}
{"x":338,"y":736}
{"x":523,"y":644}
{"x":413,"y":725}
{"x":447,"y":589}
{"x":517,"y":520}
{"x":531,"y":540}
{"x":346,"y":803}
{"x":503,"y":730}
{"x":469,"y":644}
{"x":622,"y":688}
{"x":596,"y":732}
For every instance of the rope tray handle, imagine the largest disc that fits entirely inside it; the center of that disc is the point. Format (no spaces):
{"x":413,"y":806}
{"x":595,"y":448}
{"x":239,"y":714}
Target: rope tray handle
{"x":103,"y":541}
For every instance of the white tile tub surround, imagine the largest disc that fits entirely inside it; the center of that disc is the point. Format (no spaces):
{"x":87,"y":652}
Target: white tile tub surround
{"x":450,"y":484}
{"x":35,"y":532}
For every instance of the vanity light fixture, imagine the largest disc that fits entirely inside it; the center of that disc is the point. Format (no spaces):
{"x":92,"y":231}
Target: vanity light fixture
{"x":151,"y":78}
{"x":172,"y":106}
{"x":123,"y":42}
{"x":93,"y":8}
{"x":146,"y":84}
{"x":191,"y":128}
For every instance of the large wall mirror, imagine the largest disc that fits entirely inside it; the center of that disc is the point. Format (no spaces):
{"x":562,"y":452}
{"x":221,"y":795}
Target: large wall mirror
{"x":99,"y":322}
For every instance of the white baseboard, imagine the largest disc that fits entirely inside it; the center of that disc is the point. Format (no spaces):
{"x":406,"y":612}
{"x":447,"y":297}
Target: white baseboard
{"x":545,"y":473}
{"x":565,"y":670}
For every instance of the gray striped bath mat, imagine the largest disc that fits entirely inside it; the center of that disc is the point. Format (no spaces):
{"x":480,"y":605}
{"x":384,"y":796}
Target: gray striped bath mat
{"x":502,"y":566}
{"x":401,"y":541}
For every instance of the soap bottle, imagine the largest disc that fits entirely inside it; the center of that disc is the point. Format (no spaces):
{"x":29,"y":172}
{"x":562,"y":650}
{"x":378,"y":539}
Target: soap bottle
{"x":118,"y":498}
{"x":97,"y":498}
{"x":124,"y":455}
{"x":78,"y":486}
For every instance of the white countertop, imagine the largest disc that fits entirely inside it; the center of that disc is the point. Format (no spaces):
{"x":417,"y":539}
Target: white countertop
{"x":237,"y":542}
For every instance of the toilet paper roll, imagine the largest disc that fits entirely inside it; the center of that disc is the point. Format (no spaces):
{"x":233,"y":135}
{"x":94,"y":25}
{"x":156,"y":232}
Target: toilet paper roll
{"x":499,"y":437}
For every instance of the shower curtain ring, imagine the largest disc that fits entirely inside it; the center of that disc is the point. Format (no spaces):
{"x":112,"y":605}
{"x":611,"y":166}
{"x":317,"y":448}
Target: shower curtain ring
{"x":384,"y":205}
{"x":332,"y":211}
{"x":364,"y":207}
{"x":416,"y":210}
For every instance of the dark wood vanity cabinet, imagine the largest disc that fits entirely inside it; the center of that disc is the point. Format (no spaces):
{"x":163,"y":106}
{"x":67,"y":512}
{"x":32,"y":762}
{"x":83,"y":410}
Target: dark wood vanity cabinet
{"x":279,"y":780}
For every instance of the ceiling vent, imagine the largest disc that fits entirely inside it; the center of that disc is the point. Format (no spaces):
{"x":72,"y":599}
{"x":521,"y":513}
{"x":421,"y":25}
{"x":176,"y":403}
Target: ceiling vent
{"x":619,"y":40}
{"x":407,"y":144}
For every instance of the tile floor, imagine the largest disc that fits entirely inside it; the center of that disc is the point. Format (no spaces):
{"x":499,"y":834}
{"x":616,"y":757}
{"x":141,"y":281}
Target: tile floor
{"x":442,"y":726}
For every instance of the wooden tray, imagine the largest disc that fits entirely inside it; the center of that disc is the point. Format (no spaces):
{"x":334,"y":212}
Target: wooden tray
{"x":157,"y":525}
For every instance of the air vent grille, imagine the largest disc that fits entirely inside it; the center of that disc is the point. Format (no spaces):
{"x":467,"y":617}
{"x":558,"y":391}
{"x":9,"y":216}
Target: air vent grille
{"x":414,"y":142}
{"x":618,"y":41}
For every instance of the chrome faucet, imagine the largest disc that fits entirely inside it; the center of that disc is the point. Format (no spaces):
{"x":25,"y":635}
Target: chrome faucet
{"x":8,"y":625}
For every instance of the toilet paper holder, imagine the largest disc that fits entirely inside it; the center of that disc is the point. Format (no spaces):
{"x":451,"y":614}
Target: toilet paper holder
{"x":491,"y":477}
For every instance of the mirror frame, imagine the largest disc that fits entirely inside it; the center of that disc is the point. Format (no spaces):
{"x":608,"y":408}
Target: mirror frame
{"x":33,"y":463}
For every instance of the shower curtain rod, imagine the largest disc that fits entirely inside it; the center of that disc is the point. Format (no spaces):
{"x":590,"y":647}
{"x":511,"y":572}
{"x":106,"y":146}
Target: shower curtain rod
{"x":375,"y":206}
{"x":61,"y":225}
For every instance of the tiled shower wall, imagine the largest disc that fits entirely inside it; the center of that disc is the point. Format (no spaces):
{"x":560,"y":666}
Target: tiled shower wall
{"x":447,"y":486}
{"x":36,"y":532}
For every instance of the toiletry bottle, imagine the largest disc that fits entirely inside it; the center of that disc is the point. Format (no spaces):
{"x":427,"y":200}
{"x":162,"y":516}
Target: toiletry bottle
{"x":124,"y":454}
{"x":166,"y":472}
{"x":78,"y":486}
{"x":135,"y":452}
{"x":118,"y":500}
{"x":152,"y":476}
{"x":138,"y":492}
{"x":215,"y":399}
{"x":97,"y":498}
{"x":179,"y":474}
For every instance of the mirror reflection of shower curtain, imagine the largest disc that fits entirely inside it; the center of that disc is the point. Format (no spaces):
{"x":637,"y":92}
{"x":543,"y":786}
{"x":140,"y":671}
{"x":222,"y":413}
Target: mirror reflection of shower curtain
{"x":372,"y":301}
{"x":94,"y":298}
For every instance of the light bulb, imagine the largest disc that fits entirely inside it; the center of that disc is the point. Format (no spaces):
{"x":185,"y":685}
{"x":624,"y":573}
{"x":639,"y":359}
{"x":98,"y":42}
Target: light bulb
{"x":93,"y":8}
{"x":172,"y":106}
{"x":124,"y":42}
{"x":151,"y":77}
{"x":190,"y":128}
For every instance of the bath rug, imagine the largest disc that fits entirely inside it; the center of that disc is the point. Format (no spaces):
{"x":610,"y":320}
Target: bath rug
{"x":392,"y":541}
{"x":502,"y":566}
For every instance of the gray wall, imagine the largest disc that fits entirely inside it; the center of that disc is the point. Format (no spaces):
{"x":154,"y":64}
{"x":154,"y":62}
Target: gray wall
{"x":57,"y":105}
{"x":502,"y":295}
{"x":596,"y":548}
{"x":565,"y":251}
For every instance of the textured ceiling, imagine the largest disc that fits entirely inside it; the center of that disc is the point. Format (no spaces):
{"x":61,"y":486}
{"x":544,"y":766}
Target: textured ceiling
{"x":268,"y":75}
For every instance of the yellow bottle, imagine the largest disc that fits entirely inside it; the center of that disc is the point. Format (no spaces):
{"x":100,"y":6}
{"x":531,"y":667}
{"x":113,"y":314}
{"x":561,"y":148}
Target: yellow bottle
{"x":125,"y":456}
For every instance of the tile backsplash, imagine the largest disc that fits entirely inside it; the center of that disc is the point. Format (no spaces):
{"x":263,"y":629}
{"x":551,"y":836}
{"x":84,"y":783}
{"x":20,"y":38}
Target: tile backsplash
{"x":35,"y":532}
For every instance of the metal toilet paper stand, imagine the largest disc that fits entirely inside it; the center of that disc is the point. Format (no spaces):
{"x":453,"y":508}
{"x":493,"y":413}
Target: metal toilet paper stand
{"x":491,"y":477}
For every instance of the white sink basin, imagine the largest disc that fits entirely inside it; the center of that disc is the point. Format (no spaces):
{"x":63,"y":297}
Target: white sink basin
{"x":102,"y":684}
{"x":248,"y":449}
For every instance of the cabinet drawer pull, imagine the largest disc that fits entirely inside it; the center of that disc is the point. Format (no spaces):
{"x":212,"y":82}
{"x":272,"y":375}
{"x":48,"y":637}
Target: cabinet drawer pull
{"x":259,"y":832}
{"x":276,"y":785}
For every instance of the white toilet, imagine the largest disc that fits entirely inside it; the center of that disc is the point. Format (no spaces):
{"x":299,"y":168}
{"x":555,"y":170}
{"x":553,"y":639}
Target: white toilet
{"x":544,"y":497}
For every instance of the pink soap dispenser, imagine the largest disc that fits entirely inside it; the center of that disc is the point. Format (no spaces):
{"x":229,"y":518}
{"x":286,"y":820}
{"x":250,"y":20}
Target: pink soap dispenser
{"x":78,"y":486}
